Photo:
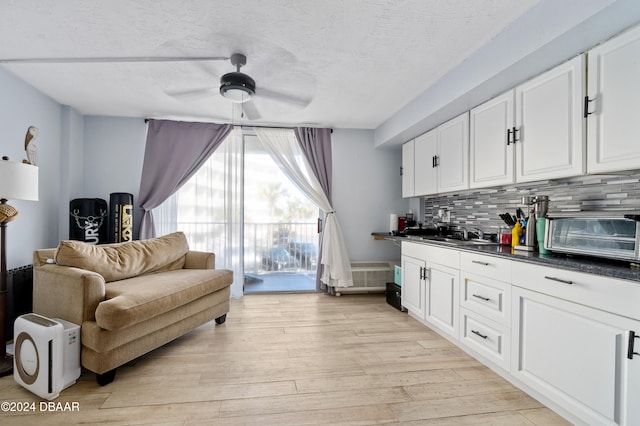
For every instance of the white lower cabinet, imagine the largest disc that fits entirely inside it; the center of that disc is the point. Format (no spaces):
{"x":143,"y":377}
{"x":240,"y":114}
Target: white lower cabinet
{"x":485,"y":307}
{"x":486,"y":337}
{"x":577,"y":357}
{"x":442,"y":299}
{"x":430,"y":285}
{"x":487,"y":297}
{"x":413,"y":285}
{"x":567,"y":337}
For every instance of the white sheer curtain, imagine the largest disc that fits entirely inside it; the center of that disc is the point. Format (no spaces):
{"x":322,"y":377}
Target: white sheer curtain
{"x":283,"y":147}
{"x":208,"y":209}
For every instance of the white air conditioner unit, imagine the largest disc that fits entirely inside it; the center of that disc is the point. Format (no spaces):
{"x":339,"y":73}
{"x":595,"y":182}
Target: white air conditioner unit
{"x":46,"y":356}
{"x":369,"y":276}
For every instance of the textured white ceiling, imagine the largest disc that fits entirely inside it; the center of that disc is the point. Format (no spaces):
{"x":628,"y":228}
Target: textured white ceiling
{"x":358,"y":61}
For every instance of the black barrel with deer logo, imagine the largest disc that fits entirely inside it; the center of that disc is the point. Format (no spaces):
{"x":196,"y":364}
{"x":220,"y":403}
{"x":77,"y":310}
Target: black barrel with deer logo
{"x":88,"y":220}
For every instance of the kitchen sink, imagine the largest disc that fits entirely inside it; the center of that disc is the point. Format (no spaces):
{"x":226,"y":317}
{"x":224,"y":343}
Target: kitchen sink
{"x":458,"y":242}
{"x":481,"y":242}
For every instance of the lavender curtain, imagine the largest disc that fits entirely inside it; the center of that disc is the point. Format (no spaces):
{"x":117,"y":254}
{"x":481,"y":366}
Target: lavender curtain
{"x":175,"y":150}
{"x":316,"y":147}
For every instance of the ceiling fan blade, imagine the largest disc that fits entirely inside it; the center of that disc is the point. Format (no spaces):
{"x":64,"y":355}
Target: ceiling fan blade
{"x":250,"y":110}
{"x":108,"y":59}
{"x":281,"y":97}
{"x":193,"y":94}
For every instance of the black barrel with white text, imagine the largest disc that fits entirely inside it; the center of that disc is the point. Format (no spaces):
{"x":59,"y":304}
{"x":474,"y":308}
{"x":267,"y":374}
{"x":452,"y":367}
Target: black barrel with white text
{"x":88,"y":220}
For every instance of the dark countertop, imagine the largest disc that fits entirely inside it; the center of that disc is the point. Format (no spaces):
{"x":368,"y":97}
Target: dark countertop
{"x":591,"y":265}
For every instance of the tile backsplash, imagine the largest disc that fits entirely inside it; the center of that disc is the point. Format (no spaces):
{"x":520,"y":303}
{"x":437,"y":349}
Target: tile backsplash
{"x":480,"y":207}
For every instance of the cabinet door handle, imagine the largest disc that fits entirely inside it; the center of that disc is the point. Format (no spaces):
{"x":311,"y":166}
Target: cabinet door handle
{"x":558,"y":280}
{"x":477,"y":333}
{"x":401,"y":170}
{"x":509,"y":141}
{"x":480,"y":263}
{"x":423,"y":273}
{"x":486,"y":299}
{"x":632,"y":338}
{"x":515,"y":135}
{"x":436,"y":161}
{"x":586,"y":106}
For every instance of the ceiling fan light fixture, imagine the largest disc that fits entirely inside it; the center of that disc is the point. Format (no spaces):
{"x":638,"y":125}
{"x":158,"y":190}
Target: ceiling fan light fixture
{"x":237,"y":87}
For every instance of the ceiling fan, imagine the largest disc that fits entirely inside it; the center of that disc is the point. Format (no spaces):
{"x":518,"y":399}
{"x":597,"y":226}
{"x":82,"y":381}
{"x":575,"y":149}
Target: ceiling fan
{"x":235,"y":86}
{"x":240,"y":88}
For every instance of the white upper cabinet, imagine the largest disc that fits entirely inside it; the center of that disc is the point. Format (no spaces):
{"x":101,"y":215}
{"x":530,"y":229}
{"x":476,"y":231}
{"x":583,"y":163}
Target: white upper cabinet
{"x":549,"y":135}
{"x":613,"y":88}
{"x":452,"y":160}
{"x":408,"y":189}
{"x":437,"y":161}
{"x":533,"y":132}
{"x":490,"y":142}
{"x":426,"y":174}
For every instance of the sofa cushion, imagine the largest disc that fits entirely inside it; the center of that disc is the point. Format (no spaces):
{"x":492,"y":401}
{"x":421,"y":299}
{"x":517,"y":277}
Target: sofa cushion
{"x":125,"y":260}
{"x":140,"y":298}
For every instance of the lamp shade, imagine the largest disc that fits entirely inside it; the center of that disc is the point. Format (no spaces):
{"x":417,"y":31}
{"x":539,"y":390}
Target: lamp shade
{"x":18,"y":181}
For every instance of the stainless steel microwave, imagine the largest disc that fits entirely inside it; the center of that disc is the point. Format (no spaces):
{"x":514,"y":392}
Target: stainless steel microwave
{"x":607,"y":235}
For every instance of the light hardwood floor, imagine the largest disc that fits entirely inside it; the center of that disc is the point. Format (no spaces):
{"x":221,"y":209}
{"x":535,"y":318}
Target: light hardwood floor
{"x":297,"y":359}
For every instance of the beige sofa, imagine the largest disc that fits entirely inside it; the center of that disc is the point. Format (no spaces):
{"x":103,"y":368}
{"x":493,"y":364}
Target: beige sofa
{"x":129,"y":298}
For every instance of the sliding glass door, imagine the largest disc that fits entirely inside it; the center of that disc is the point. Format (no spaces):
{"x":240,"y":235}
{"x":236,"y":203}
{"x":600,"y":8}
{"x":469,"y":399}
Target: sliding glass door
{"x":240,"y":206}
{"x":280,"y":227}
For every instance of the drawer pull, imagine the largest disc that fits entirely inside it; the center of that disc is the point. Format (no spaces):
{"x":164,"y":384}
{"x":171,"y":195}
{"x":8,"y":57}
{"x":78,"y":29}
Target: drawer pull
{"x":480,"y":263}
{"x":486,"y":299}
{"x":477,"y":333}
{"x":558,"y":280}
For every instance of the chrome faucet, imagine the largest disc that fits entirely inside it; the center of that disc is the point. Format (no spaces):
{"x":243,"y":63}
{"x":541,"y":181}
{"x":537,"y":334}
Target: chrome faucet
{"x":479,"y":233}
{"x":465,"y":233}
{"x":475,"y":231}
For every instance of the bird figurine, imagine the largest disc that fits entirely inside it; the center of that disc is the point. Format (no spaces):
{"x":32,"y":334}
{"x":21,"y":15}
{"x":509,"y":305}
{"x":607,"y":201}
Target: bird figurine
{"x":30,"y":147}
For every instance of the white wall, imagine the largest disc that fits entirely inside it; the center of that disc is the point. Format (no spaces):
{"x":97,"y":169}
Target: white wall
{"x":20,"y":107}
{"x":71,"y":170}
{"x":113,"y":157}
{"x":366,"y":188}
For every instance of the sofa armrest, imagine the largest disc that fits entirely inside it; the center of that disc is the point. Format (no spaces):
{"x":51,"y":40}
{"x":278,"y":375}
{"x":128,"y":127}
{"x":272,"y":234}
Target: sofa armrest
{"x":71,"y":294}
{"x":40,"y":257}
{"x":200,"y":260}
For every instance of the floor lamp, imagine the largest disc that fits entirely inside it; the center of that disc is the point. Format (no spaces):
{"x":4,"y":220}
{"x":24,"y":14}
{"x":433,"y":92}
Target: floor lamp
{"x":18,"y":181}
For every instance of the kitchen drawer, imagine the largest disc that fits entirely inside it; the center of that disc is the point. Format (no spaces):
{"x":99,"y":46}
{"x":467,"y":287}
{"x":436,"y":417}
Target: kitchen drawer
{"x":415,"y":250}
{"x":486,"y":297}
{"x":486,"y":337}
{"x":443,"y":256}
{"x":613,"y":295}
{"x":432,"y":254}
{"x":487,"y":266}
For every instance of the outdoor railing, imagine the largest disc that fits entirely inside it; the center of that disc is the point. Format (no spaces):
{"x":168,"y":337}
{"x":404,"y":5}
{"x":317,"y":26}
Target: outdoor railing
{"x":268,"y":247}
